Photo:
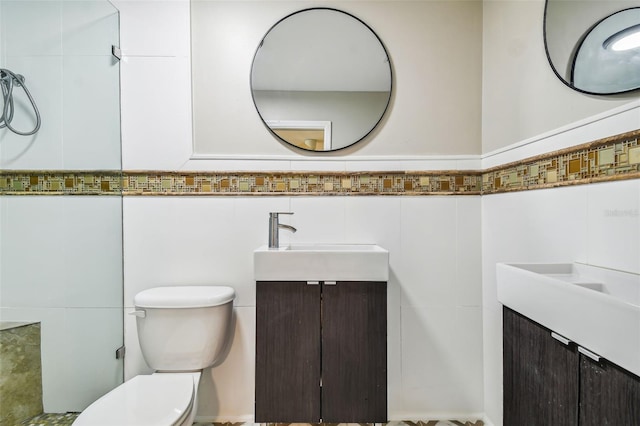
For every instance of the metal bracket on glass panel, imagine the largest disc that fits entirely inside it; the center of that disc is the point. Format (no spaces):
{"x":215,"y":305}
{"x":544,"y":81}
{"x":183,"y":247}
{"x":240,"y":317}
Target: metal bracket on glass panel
{"x":120,"y":352}
{"x":116,"y":52}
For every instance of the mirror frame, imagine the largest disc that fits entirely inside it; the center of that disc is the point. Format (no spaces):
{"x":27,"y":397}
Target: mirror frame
{"x":373,"y":126}
{"x":578,"y":43}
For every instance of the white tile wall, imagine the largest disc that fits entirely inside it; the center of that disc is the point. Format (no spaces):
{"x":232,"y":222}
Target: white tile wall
{"x":441,"y":358}
{"x":92,"y":369}
{"x":613,"y":225}
{"x":154,"y":28}
{"x":436,"y":315}
{"x":29,"y":226}
{"x":43,"y":150}
{"x":89,"y":28}
{"x":63,"y":48}
{"x":63,"y":251}
{"x":187,"y":240}
{"x":468,"y":252}
{"x":61,"y":264}
{"x":196,"y":241}
{"x":427,"y":270}
{"x":20,"y":21}
{"x":210,"y":240}
{"x":90,"y":112}
{"x":376,"y":220}
{"x":597,"y":224}
{"x":232,"y":402}
{"x":156,"y":112}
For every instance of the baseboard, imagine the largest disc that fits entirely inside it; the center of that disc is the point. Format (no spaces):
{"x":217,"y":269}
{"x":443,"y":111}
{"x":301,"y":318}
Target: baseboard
{"x":421,"y":417}
{"x":248,"y":419}
{"x":487,"y":421}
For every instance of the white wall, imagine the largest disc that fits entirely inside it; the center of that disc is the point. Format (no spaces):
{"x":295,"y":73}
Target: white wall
{"x":435,"y":50}
{"x":440,"y":312}
{"x":563,"y":225}
{"x":434,"y":310}
{"x":522,"y":97}
{"x":434,"y":329}
{"x":434,"y":290}
{"x":527,"y":111}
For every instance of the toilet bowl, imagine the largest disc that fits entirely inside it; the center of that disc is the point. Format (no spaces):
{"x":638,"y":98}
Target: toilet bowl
{"x":146,"y":400}
{"x":181,"y":331}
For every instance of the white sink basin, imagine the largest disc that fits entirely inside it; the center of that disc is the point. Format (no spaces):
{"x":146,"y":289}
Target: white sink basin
{"x":597,"y":308}
{"x":322,"y":262}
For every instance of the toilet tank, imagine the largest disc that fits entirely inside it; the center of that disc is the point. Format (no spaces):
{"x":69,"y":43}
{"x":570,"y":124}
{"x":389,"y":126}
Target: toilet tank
{"x":184,"y":328}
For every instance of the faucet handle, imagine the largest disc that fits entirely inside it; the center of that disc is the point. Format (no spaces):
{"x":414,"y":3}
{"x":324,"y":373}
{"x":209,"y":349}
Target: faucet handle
{"x":275,"y":214}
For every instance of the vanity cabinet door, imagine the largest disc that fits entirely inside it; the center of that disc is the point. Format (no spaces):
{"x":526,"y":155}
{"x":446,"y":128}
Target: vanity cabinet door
{"x":354,"y":352}
{"x":541,"y":375}
{"x":609,"y":395}
{"x":287,"y":352}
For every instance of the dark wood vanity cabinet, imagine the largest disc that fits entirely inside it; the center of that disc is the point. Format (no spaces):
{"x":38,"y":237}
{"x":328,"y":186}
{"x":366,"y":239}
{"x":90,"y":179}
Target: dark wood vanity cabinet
{"x":287,"y":352}
{"x":546,"y":382}
{"x":609,"y":395}
{"x":321,"y":352}
{"x":540,"y":375}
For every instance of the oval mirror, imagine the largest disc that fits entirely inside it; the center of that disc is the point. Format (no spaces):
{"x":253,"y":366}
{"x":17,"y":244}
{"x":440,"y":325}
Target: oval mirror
{"x":579,"y":37}
{"x":321,"y":79}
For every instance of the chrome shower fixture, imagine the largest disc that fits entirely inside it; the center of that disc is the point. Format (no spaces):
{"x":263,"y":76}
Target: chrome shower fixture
{"x":8,"y":81}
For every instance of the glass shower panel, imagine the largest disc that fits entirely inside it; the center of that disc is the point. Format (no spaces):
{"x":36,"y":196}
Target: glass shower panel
{"x":61,"y":256}
{"x":90,"y":78}
{"x":63,"y":50}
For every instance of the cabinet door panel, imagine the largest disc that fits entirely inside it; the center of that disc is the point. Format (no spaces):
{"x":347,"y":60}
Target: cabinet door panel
{"x":287,"y":352}
{"x":354,"y":352}
{"x":540,"y":375}
{"x":609,"y":395}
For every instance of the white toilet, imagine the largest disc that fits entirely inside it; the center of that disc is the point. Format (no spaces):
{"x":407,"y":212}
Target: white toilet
{"x":181,"y":330}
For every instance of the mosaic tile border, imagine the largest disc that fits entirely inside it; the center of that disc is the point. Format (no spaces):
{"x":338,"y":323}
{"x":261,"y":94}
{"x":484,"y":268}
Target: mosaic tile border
{"x":239,"y":183}
{"x":608,"y":159}
{"x":302,"y":183}
{"x":60,"y":182}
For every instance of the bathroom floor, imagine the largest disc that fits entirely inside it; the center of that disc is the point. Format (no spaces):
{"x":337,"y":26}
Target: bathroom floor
{"x":68,"y":418}
{"x":65,"y":419}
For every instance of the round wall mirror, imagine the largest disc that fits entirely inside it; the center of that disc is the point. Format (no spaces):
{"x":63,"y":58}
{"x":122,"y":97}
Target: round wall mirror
{"x":580,"y":40}
{"x":321,"y":79}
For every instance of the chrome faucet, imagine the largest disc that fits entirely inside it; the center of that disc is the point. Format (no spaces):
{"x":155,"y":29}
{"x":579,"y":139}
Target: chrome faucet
{"x":274,"y":229}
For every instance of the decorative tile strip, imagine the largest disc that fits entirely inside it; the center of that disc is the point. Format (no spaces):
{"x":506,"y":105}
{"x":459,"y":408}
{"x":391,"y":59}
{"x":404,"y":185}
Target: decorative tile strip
{"x":60,"y":182}
{"x":302,"y":183}
{"x":609,"y":159}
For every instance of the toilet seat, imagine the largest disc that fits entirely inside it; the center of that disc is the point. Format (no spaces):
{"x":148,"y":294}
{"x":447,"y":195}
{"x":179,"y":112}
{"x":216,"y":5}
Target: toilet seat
{"x":162,"y":399}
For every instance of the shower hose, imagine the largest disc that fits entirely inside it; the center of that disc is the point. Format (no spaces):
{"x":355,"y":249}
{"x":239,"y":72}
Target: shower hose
{"x":8,"y":81}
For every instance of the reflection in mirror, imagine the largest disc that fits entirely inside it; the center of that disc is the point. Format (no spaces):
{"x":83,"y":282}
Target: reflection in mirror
{"x":575,"y":36}
{"x":311,"y":135}
{"x":608,"y":60}
{"x":321,"y":79}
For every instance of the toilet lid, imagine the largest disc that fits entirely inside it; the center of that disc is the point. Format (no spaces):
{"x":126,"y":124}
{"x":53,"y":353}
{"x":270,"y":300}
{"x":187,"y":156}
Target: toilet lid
{"x":184,"y":297}
{"x":156,"y":400}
